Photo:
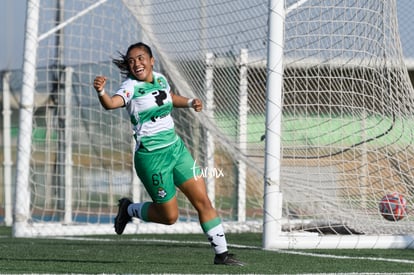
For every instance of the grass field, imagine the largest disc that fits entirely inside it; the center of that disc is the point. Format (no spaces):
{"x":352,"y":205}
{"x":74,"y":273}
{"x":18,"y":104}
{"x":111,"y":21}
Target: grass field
{"x":185,"y":254}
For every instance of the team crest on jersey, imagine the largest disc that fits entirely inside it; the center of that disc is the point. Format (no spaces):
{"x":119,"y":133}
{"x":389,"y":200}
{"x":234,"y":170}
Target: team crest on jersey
{"x":162,"y":82}
{"x":161,"y":193}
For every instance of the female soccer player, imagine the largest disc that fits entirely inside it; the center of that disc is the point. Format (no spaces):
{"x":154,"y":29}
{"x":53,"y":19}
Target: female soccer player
{"x":161,"y":159}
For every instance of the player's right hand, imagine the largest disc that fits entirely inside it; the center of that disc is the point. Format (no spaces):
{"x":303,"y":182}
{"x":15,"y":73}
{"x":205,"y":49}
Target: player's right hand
{"x":99,"y":83}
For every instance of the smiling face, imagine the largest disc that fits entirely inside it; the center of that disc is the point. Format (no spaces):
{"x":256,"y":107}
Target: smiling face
{"x":140,"y":64}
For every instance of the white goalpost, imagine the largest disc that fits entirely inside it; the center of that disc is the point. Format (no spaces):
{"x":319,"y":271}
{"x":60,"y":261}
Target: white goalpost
{"x":22,"y":202}
{"x":307,"y":121}
{"x":273,"y":197}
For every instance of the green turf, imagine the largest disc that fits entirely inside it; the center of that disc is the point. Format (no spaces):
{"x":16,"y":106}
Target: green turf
{"x":188,"y":254}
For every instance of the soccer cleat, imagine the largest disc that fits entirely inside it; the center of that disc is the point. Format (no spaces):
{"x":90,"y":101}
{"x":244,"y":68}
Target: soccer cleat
{"x":227,"y":259}
{"x":123,"y":217}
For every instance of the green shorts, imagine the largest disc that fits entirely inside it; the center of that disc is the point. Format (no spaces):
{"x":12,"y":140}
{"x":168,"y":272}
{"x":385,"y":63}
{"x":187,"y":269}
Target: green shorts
{"x":163,"y":169}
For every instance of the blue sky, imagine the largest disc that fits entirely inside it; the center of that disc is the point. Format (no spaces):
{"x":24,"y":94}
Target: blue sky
{"x":13,"y":13}
{"x":12,"y":21}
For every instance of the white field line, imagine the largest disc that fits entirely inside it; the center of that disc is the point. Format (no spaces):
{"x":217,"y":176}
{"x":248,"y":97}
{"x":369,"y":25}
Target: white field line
{"x":352,"y":273}
{"x":378,"y":259}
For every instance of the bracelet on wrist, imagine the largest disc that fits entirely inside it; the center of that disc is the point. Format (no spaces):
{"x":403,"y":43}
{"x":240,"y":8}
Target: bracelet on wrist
{"x":190,"y":102}
{"x":101,"y":93}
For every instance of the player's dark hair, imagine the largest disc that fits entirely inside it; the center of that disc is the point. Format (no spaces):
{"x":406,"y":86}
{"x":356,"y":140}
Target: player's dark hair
{"x":122,"y":63}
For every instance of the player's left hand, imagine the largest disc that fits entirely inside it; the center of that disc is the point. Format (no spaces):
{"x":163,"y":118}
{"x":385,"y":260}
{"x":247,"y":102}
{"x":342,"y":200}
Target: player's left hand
{"x":197,"y":105}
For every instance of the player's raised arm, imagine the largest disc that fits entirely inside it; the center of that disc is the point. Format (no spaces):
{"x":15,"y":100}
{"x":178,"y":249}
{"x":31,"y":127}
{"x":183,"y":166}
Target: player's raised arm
{"x":183,"y":102}
{"x":107,"y":101}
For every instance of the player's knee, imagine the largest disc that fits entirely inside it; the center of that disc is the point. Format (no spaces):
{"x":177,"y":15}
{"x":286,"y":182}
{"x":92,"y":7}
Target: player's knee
{"x":166,"y":213}
{"x":170,"y":218}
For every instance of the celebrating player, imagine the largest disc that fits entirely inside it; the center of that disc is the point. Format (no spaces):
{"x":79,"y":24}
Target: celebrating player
{"x":161,"y":159}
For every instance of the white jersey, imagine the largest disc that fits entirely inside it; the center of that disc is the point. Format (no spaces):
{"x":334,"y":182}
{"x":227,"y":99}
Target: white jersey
{"x":149,"y":106}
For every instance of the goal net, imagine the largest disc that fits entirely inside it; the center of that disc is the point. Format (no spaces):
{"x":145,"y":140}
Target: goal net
{"x":346,"y":125}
